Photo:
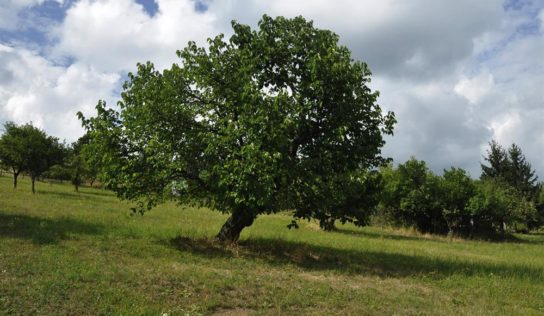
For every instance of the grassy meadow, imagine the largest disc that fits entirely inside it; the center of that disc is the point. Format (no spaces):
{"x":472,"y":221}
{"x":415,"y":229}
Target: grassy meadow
{"x":63,"y":252}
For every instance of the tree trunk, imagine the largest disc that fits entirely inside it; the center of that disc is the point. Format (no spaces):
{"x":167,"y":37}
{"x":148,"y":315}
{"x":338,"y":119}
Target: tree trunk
{"x":327,"y":224}
{"x":33,"y":179}
{"x":15,"y":175}
{"x":230,"y":232}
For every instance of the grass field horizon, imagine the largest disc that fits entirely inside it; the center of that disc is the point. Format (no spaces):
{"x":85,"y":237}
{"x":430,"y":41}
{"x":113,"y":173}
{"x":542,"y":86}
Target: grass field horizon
{"x":63,"y":252}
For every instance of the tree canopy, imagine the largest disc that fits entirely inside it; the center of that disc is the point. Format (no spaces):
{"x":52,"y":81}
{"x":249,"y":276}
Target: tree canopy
{"x":511,"y":167}
{"x":27,"y":148}
{"x":265,"y":121}
{"x":13,"y":148}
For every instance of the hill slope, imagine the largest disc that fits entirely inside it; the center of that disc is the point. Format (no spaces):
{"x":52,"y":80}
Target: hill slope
{"x":63,"y":252}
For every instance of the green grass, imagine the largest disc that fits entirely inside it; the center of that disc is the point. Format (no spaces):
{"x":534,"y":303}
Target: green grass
{"x":63,"y":252}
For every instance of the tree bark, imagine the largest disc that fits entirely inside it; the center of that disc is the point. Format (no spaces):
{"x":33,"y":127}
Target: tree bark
{"x":15,"y":175}
{"x":230,"y":232}
{"x":33,"y":179}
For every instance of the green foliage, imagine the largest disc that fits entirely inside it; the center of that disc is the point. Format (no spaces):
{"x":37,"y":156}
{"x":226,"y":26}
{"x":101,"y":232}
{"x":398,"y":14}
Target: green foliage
{"x":14,"y":147}
{"x":497,"y":157}
{"x":351,"y":198}
{"x":263,"y":122}
{"x":78,"y":164}
{"x":457,"y":188}
{"x":521,"y":175}
{"x":511,"y":167}
{"x":411,"y":196}
{"x":42,"y":152}
{"x":27,"y":148}
{"x":499,"y":208}
{"x":540,"y":208}
{"x":91,"y":169}
{"x":58,"y":172}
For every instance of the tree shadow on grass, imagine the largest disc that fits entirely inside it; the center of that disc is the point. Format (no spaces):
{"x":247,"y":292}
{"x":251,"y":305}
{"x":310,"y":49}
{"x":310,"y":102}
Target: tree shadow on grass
{"x":96,"y":192}
{"x":72,"y":195}
{"x":44,"y":230}
{"x":375,"y":235}
{"x":439,"y":238}
{"x":527,"y":239}
{"x":277,"y":252}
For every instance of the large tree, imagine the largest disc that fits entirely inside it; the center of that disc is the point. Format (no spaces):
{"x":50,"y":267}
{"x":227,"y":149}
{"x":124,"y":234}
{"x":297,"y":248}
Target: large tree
{"x":262,"y":122}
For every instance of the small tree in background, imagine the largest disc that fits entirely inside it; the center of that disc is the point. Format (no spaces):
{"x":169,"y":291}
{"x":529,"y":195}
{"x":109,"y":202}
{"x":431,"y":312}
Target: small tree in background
{"x":510,"y":166}
{"x":83,"y":162}
{"x":457,"y":188}
{"x":42,"y":152}
{"x":13,"y":148}
{"x":350,"y":198}
{"x":497,"y":157}
{"x":27,"y":148}
{"x":499,"y":208}
{"x":58,"y":172}
{"x":521,"y":174}
{"x":540,"y":209}
{"x":92,"y":170}
{"x":411,"y":197}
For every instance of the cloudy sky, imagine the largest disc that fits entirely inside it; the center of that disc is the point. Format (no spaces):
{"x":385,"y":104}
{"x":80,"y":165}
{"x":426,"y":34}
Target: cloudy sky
{"x":456,"y":73}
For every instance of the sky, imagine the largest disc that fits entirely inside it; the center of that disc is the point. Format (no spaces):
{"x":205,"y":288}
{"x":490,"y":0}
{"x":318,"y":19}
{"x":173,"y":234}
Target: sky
{"x":456,"y":73}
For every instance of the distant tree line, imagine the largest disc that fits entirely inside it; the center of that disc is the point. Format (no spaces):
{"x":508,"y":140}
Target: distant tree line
{"x":507,"y":198}
{"x":26,"y":149}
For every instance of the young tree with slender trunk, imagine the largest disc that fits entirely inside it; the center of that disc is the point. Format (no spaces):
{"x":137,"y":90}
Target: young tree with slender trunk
{"x":42,"y":151}
{"x":77,"y":164}
{"x":14,"y":148}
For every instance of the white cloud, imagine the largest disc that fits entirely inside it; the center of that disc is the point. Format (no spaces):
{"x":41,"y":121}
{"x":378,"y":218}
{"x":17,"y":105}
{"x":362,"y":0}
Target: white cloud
{"x":434,"y":124}
{"x":34,"y":89}
{"x":473,"y":89}
{"x":503,"y":126}
{"x":513,"y":107}
{"x":457,"y":73}
{"x":418,"y":39}
{"x":113,"y":35}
